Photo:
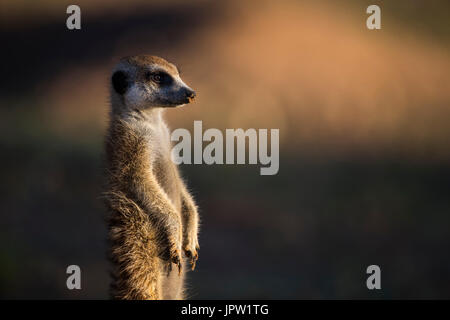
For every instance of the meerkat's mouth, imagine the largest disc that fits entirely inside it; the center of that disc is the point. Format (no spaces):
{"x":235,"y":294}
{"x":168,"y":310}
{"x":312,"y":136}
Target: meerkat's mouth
{"x":187,"y":100}
{"x":174,"y":104}
{"x":178,"y":101}
{"x":180,"y":104}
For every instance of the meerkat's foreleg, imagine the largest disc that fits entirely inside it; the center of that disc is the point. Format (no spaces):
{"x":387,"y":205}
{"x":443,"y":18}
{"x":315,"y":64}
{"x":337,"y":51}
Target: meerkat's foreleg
{"x":190,"y":226}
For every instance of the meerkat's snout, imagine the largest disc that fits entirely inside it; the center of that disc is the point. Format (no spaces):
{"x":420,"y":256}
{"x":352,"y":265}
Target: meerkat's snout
{"x":190,"y":95}
{"x":181,"y":95}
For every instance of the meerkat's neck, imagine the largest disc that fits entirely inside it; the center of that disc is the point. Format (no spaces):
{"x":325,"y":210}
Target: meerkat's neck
{"x":151,"y":115}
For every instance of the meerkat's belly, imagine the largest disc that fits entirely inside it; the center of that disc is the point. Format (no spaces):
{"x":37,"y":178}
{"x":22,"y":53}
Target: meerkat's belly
{"x":166,"y":173}
{"x":164,"y":169}
{"x":167,"y":176}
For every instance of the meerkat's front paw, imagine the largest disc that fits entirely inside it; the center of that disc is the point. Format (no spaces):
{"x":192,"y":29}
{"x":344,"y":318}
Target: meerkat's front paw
{"x":190,"y":248}
{"x":172,"y":255}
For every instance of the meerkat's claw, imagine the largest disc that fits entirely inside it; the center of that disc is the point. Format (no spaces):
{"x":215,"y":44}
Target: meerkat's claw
{"x":193,"y":256}
{"x":168,"y":268}
{"x":179,"y":268}
{"x":190,"y":248}
{"x":176,"y":259}
{"x":172,"y":257}
{"x":194,"y":262}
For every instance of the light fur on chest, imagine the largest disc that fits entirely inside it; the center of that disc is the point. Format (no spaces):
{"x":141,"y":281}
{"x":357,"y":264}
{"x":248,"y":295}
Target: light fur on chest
{"x":157,"y":136}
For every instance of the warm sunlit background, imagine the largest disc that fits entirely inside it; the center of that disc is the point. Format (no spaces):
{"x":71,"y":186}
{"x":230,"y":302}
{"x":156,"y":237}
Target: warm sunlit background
{"x":364,"y":119}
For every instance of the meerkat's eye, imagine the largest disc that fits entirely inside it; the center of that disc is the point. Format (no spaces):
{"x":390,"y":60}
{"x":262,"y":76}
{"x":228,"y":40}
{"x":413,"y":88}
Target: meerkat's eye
{"x":160,"y":78}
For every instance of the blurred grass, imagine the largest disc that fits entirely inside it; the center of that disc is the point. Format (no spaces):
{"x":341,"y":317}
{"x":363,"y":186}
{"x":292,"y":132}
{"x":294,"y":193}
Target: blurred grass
{"x":364,"y":160}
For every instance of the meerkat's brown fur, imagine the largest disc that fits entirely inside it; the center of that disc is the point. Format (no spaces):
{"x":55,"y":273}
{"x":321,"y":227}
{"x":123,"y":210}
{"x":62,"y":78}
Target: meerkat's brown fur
{"x":152,"y":218}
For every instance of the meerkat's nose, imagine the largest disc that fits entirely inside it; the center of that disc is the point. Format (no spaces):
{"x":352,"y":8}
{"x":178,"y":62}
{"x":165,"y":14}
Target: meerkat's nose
{"x":190,"y":94}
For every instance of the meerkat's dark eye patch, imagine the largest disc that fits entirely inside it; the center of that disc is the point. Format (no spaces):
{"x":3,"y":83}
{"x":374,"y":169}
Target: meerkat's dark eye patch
{"x":160,"y":77}
{"x":119,"y":82}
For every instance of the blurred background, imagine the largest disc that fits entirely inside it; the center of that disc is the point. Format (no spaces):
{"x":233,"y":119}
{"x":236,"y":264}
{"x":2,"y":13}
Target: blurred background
{"x":364,"y":119}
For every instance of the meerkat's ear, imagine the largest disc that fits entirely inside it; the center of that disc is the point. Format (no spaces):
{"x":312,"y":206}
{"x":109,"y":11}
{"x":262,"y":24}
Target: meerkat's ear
{"x":119,"y":82}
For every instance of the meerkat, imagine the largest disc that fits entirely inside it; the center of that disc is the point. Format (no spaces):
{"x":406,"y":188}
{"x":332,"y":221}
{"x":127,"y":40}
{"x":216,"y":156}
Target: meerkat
{"x":152,"y":217}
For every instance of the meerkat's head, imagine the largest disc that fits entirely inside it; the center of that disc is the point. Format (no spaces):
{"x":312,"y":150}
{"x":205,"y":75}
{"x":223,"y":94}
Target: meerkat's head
{"x":143,"y":82}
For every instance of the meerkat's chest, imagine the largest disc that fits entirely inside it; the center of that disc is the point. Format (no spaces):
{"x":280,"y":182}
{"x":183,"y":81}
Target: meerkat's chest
{"x":158,"y":140}
{"x":161,"y":163}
